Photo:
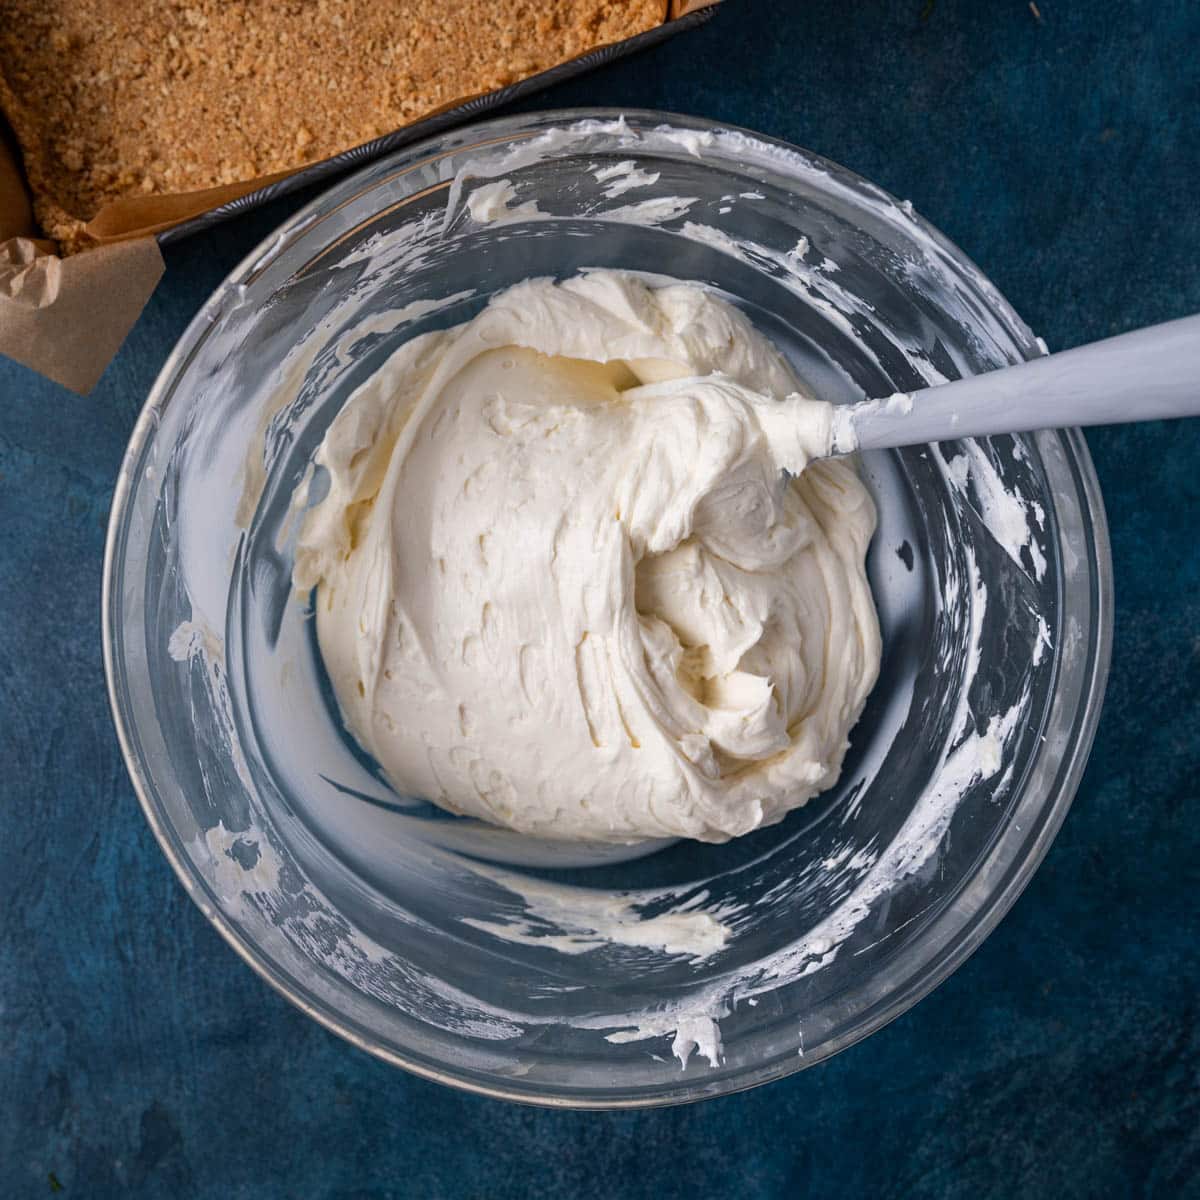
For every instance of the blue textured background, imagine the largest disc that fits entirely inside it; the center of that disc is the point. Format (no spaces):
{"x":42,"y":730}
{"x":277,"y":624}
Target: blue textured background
{"x":139,"y":1057}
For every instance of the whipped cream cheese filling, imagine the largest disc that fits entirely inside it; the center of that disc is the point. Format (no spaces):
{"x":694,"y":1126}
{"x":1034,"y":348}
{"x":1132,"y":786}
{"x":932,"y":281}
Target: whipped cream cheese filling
{"x":576,"y":575}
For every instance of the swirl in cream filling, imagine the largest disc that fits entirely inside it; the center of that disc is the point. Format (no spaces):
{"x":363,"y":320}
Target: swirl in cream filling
{"x":576,"y":574}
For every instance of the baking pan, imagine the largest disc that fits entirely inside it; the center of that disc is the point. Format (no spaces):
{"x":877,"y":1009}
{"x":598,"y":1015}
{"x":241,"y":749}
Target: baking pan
{"x":428,"y":126}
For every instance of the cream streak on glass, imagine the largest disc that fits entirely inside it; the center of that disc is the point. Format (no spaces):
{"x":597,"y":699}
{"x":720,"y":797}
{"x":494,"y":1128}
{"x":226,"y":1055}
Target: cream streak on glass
{"x":564,"y":583}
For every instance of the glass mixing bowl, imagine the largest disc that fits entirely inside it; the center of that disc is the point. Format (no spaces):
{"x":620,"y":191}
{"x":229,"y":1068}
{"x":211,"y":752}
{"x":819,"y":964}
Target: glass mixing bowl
{"x":585,"y":975}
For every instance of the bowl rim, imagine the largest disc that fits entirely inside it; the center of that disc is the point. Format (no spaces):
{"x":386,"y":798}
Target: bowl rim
{"x":901,"y":998}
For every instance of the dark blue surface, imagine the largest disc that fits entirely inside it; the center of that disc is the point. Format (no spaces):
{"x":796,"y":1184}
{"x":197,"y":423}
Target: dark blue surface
{"x":140,"y":1057}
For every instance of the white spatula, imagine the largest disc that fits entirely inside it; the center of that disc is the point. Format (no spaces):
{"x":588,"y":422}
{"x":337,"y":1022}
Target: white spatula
{"x":1147,"y":375}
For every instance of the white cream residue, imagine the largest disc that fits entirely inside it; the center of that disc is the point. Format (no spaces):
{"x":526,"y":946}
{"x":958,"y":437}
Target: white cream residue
{"x":575,"y":920}
{"x":626,"y":622}
{"x":623,"y":177}
{"x":496,"y":201}
{"x":656,"y":211}
{"x":245,"y":872}
{"x":834,"y":303}
{"x":389,"y":322}
{"x":240,"y":862}
{"x":1008,"y":518}
{"x":696,"y":1033}
{"x":193,"y":642}
{"x":692,"y":140}
{"x":845,"y":432}
{"x":1043,"y":640}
